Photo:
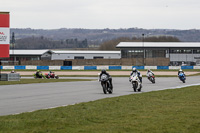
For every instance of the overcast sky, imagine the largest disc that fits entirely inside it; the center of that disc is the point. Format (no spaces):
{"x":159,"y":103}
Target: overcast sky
{"x":100,"y":14}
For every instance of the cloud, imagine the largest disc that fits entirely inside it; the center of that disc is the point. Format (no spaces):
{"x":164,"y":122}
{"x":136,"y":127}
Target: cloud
{"x":48,"y":14}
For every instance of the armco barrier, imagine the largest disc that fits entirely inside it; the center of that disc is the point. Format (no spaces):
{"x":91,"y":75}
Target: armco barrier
{"x":196,"y":67}
{"x":31,"y":67}
{"x":43,"y":67}
{"x":138,"y":67}
{"x":8,"y":67}
{"x":126,"y":67}
{"x":54,"y":68}
{"x":66,"y":67}
{"x":115,"y":67}
{"x":162,"y":67}
{"x":90,"y":67}
{"x":102,"y":67}
{"x":95,"y":67}
{"x":186,"y":67}
{"x":77,"y":67}
{"x":20,"y":67}
{"x":150,"y":67}
{"x":174,"y":67}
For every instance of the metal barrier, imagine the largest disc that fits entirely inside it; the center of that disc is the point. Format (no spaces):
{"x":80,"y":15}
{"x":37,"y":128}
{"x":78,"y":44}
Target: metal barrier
{"x":10,"y":77}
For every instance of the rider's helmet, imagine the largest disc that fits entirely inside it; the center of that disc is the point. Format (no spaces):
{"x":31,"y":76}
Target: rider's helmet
{"x":103,"y":71}
{"x":50,"y":71}
{"x":180,"y":70}
{"x":38,"y":70}
{"x":13,"y":71}
{"x":148,"y":70}
{"x":134,"y":69}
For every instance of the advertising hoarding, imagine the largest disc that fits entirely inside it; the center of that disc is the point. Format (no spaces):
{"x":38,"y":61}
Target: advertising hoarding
{"x":4,"y":34}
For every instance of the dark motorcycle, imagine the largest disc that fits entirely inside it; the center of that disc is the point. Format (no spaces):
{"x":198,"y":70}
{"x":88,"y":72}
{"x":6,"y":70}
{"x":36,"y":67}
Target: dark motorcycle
{"x":182,"y":77}
{"x":106,"y":84}
{"x":38,"y":75}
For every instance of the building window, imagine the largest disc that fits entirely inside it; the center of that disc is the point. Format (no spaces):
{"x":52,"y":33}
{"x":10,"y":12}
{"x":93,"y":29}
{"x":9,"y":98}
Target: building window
{"x":98,"y":57}
{"x":181,"y":51}
{"x":78,"y":57}
{"x":132,"y":53}
{"x":196,"y":51}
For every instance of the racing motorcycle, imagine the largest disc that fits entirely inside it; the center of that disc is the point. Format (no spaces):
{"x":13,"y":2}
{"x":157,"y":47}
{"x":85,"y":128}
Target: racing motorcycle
{"x":106,"y":84}
{"x":182,"y":77}
{"x":52,"y":75}
{"x":135,"y":81}
{"x":39,"y":75}
{"x":151,"y":77}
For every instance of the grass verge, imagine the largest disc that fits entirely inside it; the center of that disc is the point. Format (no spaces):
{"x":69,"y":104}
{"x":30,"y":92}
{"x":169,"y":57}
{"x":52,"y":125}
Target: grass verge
{"x":30,"y":81}
{"x":166,"y":111}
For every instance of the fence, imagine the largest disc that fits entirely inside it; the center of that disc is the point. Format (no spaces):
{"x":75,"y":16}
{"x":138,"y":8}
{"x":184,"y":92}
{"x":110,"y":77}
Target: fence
{"x":95,"y":67}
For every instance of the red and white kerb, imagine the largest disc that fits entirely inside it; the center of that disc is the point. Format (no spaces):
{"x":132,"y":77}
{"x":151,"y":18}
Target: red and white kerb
{"x":4,"y":34}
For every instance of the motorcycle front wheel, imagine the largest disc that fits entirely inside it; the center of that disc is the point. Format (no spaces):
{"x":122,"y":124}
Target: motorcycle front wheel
{"x":134,"y":86}
{"x":153,"y":80}
{"x":104,"y":88}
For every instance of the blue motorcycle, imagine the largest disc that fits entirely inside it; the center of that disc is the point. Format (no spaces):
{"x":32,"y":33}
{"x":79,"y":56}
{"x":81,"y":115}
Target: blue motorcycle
{"x":182,"y":77}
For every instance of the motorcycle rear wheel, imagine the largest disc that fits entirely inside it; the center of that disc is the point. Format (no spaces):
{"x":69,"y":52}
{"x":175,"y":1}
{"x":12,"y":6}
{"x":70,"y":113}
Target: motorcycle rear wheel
{"x":110,"y":91}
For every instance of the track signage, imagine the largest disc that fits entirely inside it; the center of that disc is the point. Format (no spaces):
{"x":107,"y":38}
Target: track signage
{"x":4,"y":34}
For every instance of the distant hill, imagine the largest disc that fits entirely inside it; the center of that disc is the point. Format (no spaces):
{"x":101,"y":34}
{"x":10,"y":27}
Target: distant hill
{"x":98,"y":36}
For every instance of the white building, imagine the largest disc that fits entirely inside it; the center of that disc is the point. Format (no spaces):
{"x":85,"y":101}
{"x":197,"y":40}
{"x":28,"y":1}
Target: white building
{"x":61,"y":55}
{"x":177,"y":52}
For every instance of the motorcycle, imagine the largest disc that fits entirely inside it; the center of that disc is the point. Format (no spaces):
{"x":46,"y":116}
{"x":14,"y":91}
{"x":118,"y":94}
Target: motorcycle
{"x":106,"y":84}
{"x":135,"y":81}
{"x":38,"y":75}
{"x":182,"y":77}
{"x":52,"y":75}
{"x":151,"y":77}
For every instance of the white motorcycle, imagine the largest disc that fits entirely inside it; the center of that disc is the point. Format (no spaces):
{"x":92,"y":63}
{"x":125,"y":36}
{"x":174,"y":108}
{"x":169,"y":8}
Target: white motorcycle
{"x":135,"y":81}
{"x":151,"y":77}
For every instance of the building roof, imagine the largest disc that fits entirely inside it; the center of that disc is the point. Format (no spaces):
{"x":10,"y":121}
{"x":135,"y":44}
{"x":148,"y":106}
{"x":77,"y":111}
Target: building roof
{"x":27,"y":52}
{"x":158,"y":44}
{"x":41,"y":52}
{"x":85,"y":52}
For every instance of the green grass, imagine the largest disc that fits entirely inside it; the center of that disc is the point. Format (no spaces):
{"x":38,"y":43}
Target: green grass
{"x":30,"y":81}
{"x":168,"y":111}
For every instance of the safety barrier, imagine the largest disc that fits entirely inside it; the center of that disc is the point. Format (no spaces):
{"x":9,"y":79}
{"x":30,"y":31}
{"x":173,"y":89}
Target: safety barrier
{"x":9,"y":77}
{"x":95,"y":67}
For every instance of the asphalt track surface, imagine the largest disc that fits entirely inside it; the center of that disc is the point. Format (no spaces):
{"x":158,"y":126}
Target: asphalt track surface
{"x":16,"y":99}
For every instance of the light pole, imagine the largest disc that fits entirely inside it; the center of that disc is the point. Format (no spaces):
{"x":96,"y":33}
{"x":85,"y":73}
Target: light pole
{"x":143,"y":48}
{"x":13,"y":46}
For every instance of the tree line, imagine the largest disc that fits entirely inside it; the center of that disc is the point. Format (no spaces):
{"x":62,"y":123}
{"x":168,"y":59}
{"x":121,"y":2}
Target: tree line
{"x":111,"y":45}
{"x":48,"y":43}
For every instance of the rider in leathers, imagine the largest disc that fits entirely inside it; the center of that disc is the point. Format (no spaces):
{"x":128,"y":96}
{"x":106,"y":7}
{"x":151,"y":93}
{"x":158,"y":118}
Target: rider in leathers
{"x":109,"y":77}
{"x":138,"y":74}
{"x":180,"y":71}
{"x":148,"y":72}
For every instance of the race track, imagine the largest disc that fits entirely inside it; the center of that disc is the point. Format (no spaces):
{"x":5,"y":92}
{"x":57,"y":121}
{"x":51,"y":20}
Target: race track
{"x":29,"y":97}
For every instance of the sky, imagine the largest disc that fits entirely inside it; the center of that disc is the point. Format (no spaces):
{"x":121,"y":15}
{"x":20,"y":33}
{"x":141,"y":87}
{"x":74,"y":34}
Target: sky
{"x":100,"y":14}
